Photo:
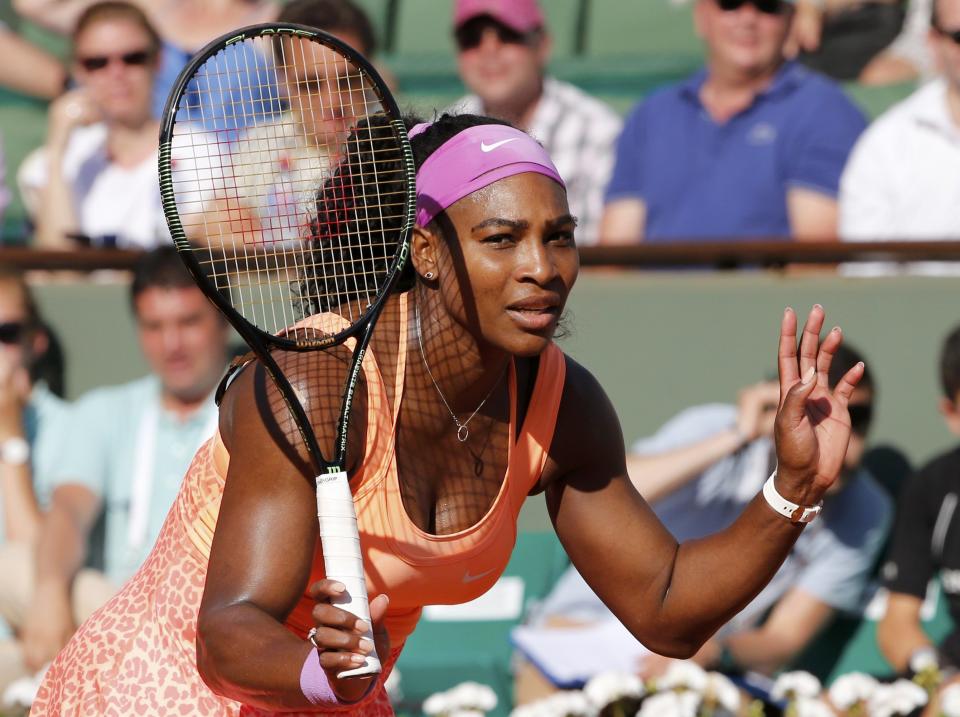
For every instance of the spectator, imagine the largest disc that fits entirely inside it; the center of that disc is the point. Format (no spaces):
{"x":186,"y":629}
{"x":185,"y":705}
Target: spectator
{"x":901,"y":181}
{"x":503,"y":48}
{"x":926,"y":543}
{"x":184,"y":25}
{"x":702,"y":468}
{"x":841,"y":37}
{"x":95,"y":181}
{"x":278,"y":165}
{"x":126,"y":452}
{"x":33,"y":422}
{"x":750,"y":146}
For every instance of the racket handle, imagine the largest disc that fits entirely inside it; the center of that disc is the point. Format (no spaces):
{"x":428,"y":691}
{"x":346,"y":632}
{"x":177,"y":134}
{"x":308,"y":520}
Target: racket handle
{"x":341,"y":556}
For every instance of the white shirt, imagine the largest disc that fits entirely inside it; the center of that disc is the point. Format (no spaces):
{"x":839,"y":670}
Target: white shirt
{"x":276,"y":174}
{"x":902,"y":181}
{"x":113,"y":204}
{"x":579,"y":132}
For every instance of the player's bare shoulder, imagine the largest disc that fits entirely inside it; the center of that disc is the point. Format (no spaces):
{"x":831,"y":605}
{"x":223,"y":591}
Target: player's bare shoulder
{"x":253,"y":404}
{"x":588,"y":431}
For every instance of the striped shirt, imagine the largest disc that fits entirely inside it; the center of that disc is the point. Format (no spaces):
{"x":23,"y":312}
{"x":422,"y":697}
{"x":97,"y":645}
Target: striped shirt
{"x":580,"y":133}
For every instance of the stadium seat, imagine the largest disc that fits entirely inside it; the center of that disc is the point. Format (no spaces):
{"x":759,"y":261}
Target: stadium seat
{"x":643,"y":30}
{"x":378,"y":12}
{"x":876,"y":100}
{"x":23,"y":127}
{"x":472,"y":642}
{"x":423,"y":28}
{"x":563,"y":22}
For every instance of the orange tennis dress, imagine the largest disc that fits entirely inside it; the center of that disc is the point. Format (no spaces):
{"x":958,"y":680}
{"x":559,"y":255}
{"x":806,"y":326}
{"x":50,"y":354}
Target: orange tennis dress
{"x":137,"y":654}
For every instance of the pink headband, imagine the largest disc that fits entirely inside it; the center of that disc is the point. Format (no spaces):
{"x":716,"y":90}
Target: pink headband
{"x":473,"y":159}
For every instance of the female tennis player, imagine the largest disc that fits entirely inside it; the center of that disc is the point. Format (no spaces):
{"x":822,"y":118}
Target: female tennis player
{"x":467,"y":407}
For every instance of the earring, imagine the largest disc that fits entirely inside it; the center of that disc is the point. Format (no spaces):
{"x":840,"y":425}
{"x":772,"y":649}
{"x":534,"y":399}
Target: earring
{"x":428,"y":275}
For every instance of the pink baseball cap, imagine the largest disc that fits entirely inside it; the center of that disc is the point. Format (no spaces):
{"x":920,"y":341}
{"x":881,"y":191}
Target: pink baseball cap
{"x":520,"y":15}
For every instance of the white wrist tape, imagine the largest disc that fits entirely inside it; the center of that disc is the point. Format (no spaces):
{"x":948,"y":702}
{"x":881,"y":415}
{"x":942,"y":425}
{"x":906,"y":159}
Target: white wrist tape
{"x":788,"y":509}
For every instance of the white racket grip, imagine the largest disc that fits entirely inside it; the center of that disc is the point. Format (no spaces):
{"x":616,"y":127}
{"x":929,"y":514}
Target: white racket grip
{"x":341,"y":555}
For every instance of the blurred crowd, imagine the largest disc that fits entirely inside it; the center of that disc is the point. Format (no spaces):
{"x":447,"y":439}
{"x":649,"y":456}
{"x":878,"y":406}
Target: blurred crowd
{"x":761,"y":142}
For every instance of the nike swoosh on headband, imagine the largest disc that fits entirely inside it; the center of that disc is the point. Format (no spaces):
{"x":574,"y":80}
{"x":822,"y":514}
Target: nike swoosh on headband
{"x":484,"y":147}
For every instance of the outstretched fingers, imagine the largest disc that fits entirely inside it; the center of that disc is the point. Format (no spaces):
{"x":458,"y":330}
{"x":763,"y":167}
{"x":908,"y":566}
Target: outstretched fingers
{"x":787,"y":351}
{"x":846,"y":386}
{"x":810,"y":340}
{"x":828,"y":349}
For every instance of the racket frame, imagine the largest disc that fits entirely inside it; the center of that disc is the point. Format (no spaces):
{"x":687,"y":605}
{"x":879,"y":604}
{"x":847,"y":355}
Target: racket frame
{"x":261,"y":342}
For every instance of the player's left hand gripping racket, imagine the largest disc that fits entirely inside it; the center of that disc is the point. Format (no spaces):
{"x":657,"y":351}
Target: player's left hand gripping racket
{"x":288,"y":185}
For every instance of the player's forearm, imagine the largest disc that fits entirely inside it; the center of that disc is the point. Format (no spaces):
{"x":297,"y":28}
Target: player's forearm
{"x":21,"y":514}
{"x":716,"y":577}
{"x":656,"y":476}
{"x":244,"y":654}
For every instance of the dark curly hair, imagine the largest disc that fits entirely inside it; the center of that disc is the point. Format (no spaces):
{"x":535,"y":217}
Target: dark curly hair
{"x":349,"y":206}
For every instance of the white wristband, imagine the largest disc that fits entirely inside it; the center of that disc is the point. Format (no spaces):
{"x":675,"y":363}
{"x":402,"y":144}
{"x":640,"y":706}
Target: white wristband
{"x":788,"y":509}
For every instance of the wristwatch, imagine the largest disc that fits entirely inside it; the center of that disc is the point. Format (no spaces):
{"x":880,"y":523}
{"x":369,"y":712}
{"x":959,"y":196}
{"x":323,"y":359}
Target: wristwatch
{"x":786,"y":508}
{"x":14,"y":451}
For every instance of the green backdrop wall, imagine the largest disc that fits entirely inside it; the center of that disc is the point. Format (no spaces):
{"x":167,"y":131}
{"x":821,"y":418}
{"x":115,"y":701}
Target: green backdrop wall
{"x":658,"y":342}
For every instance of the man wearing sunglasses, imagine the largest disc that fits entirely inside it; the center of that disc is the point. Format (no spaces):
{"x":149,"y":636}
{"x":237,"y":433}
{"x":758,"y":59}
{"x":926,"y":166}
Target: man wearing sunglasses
{"x":752,"y":146}
{"x":502,"y":52}
{"x":33,"y":421}
{"x":702,"y":468}
{"x":902,"y":181}
{"x":926,"y":545}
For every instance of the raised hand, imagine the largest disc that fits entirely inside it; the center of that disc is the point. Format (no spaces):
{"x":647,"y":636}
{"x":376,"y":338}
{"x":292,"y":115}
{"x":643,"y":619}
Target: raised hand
{"x":812,"y":428}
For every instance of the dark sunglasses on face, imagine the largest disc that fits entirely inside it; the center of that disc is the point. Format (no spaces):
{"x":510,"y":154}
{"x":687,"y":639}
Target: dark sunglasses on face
{"x":11,"y":332}
{"x":768,"y":7}
{"x":860,"y":416}
{"x":470,"y":34}
{"x":94,"y":63}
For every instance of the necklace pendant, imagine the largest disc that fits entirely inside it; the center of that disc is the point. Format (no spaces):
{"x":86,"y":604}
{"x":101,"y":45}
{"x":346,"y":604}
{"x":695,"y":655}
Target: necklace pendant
{"x":463,"y":433}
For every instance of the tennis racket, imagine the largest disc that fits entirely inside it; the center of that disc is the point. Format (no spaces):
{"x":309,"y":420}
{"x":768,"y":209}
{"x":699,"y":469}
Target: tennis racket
{"x":288,"y":186}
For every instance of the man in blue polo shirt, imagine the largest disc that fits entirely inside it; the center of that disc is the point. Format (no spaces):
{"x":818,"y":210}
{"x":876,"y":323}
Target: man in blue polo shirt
{"x":751,"y":146}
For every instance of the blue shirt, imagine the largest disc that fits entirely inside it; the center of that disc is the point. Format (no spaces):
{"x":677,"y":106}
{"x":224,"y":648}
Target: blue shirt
{"x":703,"y":180}
{"x":235,"y":88}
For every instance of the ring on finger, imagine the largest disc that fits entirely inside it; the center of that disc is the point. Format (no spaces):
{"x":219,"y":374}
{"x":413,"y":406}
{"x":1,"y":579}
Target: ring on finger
{"x":312,"y":637}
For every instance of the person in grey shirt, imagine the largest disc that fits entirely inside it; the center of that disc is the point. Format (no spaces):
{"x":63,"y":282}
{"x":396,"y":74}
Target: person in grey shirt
{"x":700,"y":470}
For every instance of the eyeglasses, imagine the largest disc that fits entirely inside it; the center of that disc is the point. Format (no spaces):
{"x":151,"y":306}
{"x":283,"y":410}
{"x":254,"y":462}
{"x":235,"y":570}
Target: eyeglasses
{"x":768,"y":7}
{"x":860,"y":417}
{"x":11,"y":332}
{"x":95,"y":63}
{"x":470,"y":34}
